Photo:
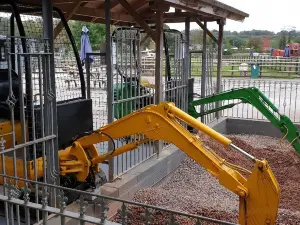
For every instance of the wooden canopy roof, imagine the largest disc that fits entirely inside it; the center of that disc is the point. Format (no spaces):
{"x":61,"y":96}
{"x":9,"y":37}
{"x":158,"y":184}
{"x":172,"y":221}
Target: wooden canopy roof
{"x":130,"y":12}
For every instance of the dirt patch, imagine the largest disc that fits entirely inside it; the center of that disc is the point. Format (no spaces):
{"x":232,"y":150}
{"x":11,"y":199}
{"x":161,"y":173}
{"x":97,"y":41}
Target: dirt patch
{"x":192,"y":190}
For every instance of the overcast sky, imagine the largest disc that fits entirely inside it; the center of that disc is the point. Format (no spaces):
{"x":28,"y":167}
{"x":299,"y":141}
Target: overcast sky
{"x":270,"y":15}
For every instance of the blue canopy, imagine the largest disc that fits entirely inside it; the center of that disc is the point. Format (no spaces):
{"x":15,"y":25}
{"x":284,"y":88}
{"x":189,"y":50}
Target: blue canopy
{"x":85,"y":45}
{"x":287,"y":51}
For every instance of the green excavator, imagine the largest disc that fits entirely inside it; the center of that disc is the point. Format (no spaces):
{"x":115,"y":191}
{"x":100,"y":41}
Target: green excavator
{"x":256,"y":98}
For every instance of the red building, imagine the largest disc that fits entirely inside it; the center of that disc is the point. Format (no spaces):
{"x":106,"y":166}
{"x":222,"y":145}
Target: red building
{"x":266,"y":45}
{"x":295,"y":49}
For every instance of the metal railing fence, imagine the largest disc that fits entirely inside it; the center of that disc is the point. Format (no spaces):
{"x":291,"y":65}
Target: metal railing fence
{"x":129,"y":94}
{"x":283,"y":94}
{"x":85,"y":211}
{"x":269,"y":67}
{"x":28,"y":129}
{"x":29,"y":200}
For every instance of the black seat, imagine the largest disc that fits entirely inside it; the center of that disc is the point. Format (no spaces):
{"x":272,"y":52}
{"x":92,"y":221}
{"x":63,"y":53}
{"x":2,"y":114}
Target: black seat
{"x":4,"y":93}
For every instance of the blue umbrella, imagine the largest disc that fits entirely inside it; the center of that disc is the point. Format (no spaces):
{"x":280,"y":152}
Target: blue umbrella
{"x":85,"y":45}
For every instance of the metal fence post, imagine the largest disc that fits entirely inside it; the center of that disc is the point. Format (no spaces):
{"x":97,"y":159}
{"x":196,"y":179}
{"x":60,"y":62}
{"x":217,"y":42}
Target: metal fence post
{"x":88,"y":76}
{"x":47,"y":9}
{"x":110,"y":117}
{"x":187,"y":67}
{"x":158,"y":66}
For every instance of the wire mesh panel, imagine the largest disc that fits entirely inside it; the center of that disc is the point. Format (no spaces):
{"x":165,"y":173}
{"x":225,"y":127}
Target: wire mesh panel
{"x":210,"y":81}
{"x":129,"y":94}
{"x":68,"y":72}
{"x":175,"y":82}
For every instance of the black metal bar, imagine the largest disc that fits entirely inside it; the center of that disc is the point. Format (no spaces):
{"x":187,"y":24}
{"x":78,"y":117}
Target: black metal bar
{"x":77,"y":57}
{"x":12,"y":41}
{"x":168,"y":66}
{"x":218,"y":109}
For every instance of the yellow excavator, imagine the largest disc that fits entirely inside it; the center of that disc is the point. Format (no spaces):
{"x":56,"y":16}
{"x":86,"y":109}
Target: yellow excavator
{"x":258,"y":193}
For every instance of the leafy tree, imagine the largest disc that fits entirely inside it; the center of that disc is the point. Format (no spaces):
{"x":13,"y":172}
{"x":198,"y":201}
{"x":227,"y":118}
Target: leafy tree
{"x":237,"y":42}
{"x":96,"y":33}
{"x":255,"y":43}
{"x":282,"y":41}
{"x":227,"y":46}
{"x":196,"y":36}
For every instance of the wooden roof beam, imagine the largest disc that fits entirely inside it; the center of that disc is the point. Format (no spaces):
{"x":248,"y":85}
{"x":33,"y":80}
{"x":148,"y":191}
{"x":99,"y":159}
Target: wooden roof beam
{"x":180,"y":17}
{"x":68,"y":16}
{"x":99,"y":13}
{"x":210,"y":34}
{"x":137,"y":18}
{"x":208,"y":7}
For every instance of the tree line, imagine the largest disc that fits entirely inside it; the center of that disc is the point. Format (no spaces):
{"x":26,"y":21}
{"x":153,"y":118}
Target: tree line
{"x":253,"y":38}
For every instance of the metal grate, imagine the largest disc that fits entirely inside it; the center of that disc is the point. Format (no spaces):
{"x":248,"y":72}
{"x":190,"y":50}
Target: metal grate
{"x":28,"y":132}
{"x":210,"y":84}
{"x":283,"y":94}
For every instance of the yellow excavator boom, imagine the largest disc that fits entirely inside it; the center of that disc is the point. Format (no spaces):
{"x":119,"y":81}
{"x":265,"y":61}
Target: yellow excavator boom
{"x":258,"y":194}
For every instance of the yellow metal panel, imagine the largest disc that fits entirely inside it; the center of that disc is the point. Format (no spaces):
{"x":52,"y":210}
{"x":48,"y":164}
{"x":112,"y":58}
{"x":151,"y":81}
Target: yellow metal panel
{"x":6,"y":133}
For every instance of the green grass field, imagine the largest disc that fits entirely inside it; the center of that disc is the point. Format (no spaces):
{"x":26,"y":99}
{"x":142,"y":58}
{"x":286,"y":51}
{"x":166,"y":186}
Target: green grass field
{"x":232,"y":71}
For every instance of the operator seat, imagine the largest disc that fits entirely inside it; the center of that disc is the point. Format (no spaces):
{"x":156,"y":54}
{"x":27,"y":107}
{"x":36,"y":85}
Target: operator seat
{"x":4,"y":94}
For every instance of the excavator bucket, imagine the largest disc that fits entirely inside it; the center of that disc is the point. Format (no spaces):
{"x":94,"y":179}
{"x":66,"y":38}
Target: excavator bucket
{"x":261,"y":205}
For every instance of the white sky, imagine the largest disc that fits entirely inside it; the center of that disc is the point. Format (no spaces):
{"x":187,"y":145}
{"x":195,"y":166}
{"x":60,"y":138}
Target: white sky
{"x":270,"y":15}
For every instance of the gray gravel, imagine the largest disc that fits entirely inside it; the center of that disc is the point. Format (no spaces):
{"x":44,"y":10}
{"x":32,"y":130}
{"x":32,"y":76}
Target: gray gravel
{"x":191,"y":189}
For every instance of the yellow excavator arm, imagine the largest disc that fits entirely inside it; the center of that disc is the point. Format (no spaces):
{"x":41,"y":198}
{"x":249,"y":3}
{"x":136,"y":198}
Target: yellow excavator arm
{"x":258,"y":194}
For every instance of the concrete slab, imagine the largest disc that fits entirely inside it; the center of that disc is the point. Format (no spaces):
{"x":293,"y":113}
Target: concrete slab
{"x":250,"y":126}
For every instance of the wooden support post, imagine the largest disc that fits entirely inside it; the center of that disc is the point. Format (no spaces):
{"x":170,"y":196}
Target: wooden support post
{"x":210,"y":34}
{"x":187,"y":48}
{"x":158,"y":57}
{"x":110,"y":117}
{"x":219,"y":65}
{"x":158,"y":63}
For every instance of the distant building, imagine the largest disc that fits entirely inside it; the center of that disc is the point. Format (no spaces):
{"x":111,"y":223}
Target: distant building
{"x":266,"y":45}
{"x":294,"y":49}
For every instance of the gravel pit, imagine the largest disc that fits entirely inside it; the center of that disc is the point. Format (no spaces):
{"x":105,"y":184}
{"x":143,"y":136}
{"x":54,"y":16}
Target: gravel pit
{"x":191,"y":189}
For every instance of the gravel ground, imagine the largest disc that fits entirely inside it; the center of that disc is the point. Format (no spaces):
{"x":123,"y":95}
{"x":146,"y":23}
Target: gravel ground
{"x":191,"y":189}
